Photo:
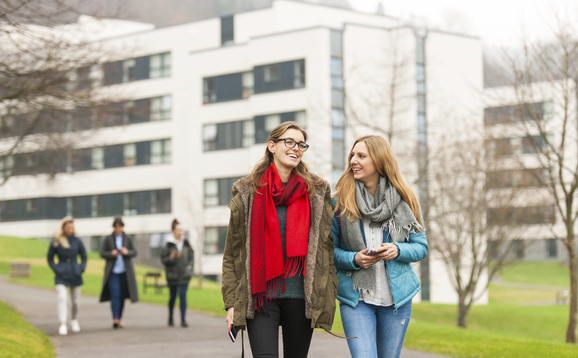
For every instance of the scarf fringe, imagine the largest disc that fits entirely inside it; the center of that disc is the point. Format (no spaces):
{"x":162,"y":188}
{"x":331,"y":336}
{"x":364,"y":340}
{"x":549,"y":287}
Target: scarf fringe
{"x":407,"y":229}
{"x":364,"y":291}
{"x":294,"y":266}
{"x":275,"y":287}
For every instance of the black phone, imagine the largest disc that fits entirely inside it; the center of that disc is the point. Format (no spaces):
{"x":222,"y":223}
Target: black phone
{"x":233,"y":332}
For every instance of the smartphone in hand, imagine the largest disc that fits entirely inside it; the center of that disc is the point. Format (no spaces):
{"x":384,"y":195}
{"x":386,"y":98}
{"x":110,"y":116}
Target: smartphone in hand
{"x":233,"y":332}
{"x":372,"y":252}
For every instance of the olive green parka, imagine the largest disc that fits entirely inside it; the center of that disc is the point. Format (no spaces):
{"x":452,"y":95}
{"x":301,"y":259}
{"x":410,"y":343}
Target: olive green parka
{"x":320,"y":281}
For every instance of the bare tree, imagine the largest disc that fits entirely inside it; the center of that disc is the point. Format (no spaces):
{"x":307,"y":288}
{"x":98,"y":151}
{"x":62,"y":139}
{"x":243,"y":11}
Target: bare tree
{"x":50,"y":75}
{"x":376,"y":92}
{"x":547,"y":113}
{"x":468,"y":229}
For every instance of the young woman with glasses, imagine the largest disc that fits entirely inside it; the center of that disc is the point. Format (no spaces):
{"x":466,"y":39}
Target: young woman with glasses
{"x":378,"y":232}
{"x":278,"y":259}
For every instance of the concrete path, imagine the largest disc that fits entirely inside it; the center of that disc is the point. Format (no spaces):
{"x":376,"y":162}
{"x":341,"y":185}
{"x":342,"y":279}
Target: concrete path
{"x":146,"y":333}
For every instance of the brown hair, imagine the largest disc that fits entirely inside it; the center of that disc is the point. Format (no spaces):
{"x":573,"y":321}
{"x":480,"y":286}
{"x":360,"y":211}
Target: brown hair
{"x":301,"y":168}
{"x":386,"y":164}
{"x":117,"y":221}
{"x":60,"y":238}
{"x":174,"y":224}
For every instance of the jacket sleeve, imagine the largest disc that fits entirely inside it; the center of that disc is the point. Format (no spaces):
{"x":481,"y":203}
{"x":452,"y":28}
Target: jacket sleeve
{"x":83,"y":257}
{"x":343,"y":258}
{"x":105,"y":250}
{"x":130,"y":247}
{"x":229,"y":281}
{"x":50,"y":256}
{"x":414,"y":250}
{"x":166,"y":256}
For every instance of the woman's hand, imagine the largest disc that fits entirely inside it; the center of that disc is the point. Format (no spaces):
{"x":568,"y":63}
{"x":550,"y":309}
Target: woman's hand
{"x":114,"y":253}
{"x":230,"y":315}
{"x":124,"y":251}
{"x":389,"y":252}
{"x":363,"y":260}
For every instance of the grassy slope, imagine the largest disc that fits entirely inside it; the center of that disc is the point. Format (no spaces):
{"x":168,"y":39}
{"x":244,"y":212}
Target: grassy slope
{"x":504,"y":328}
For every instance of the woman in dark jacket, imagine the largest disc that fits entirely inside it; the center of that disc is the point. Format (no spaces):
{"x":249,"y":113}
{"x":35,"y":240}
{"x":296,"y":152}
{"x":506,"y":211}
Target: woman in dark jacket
{"x":119,"y":279}
{"x":278,"y":260}
{"x":68,"y":272}
{"x":178,"y":257}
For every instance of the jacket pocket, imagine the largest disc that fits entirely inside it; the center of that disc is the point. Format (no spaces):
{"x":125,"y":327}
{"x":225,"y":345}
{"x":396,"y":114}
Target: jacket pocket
{"x":345,"y":286}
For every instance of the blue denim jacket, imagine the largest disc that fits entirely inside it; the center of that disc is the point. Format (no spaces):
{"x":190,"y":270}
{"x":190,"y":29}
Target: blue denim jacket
{"x":402,"y":277}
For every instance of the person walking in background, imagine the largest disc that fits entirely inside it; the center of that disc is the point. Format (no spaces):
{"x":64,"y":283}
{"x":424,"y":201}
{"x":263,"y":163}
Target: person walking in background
{"x":119,"y":278}
{"x":68,"y":273}
{"x":377,"y":232}
{"x":278,"y":258}
{"x":178,"y":257}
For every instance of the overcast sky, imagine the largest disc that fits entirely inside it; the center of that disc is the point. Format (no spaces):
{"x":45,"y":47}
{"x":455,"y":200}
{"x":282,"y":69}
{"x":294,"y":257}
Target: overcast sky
{"x":497,"y":22}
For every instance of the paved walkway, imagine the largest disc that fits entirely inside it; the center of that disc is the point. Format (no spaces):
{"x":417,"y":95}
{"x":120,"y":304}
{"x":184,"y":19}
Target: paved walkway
{"x":146,"y":333}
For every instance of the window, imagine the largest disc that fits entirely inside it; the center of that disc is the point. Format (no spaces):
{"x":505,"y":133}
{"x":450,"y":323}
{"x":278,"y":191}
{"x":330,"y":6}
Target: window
{"x":160,"y":65}
{"x":86,"y":206}
{"x":160,"y":151}
{"x":128,"y":70}
{"x":82,"y":206}
{"x":515,"y":113}
{"x":265,"y":123}
{"x":336,"y":73}
{"x":518,"y":249}
{"x":97,"y":158}
{"x":227,"y":30}
{"x":222,"y":136}
{"x":95,"y":243}
{"x":530,"y":215}
{"x":114,"y":156}
{"x":516,"y":178}
{"x":279,"y":76}
{"x":81,"y":159}
{"x":552,"y":248}
{"x":156,"y":243}
{"x":215,"y":238}
{"x":224,"y":88}
{"x":137,"y":111}
{"x":129,"y":154}
{"x":6,"y":166}
{"x":272,"y":73}
{"x":160,"y":108}
{"x":219,"y":191}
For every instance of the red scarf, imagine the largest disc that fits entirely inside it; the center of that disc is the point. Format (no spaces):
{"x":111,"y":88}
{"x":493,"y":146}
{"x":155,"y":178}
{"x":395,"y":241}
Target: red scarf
{"x":268,"y":267}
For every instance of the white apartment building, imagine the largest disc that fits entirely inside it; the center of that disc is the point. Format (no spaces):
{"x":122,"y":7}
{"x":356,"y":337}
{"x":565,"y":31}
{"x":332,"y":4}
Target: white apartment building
{"x":518,"y":167}
{"x":206,"y":94}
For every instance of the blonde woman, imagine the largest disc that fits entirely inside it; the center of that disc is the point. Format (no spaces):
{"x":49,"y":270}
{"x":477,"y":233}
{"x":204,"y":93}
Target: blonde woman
{"x":377,"y":233}
{"x":68,"y":272}
{"x":278,"y":260}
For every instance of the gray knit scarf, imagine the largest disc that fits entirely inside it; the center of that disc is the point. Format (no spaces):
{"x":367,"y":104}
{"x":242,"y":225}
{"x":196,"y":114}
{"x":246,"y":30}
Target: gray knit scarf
{"x":385,"y":210}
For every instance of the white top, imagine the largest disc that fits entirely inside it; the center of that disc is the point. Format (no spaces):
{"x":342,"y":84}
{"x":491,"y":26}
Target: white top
{"x":180,"y":243}
{"x":381,"y":295}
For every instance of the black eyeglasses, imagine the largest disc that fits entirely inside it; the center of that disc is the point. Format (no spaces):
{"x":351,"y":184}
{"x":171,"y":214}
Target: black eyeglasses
{"x":290,"y":143}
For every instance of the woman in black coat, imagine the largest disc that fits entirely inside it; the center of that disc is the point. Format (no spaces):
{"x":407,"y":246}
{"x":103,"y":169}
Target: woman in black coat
{"x":68,"y":273}
{"x":119,"y":278}
{"x":178,"y":258}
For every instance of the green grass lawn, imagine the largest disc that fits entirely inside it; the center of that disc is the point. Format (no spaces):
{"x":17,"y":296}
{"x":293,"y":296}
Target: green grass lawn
{"x":510,"y":326}
{"x":19,"y":338}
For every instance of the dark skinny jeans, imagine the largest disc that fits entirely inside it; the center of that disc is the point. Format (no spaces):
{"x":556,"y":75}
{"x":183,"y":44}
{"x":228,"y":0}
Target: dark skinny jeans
{"x":263,"y":330}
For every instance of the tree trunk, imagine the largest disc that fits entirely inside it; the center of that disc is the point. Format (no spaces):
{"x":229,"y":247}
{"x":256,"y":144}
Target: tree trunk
{"x":571,"y":332}
{"x":463,"y":310}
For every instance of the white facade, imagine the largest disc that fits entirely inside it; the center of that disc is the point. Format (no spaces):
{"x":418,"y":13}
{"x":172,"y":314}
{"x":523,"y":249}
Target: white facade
{"x":293,"y":34}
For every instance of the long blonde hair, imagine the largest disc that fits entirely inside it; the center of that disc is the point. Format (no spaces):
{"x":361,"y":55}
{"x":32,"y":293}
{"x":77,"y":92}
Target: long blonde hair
{"x":60,"y":238}
{"x":385,"y":161}
{"x":301,"y":168}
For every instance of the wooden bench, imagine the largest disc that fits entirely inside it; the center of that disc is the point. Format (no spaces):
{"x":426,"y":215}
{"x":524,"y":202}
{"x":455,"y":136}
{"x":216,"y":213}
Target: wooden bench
{"x":154,"y":276}
{"x":20,"y":269}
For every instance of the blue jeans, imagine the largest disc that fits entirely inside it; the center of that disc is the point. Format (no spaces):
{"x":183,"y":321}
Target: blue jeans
{"x":118,"y":293}
{"x":380,"y":332}
{"x":182,"y":298}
